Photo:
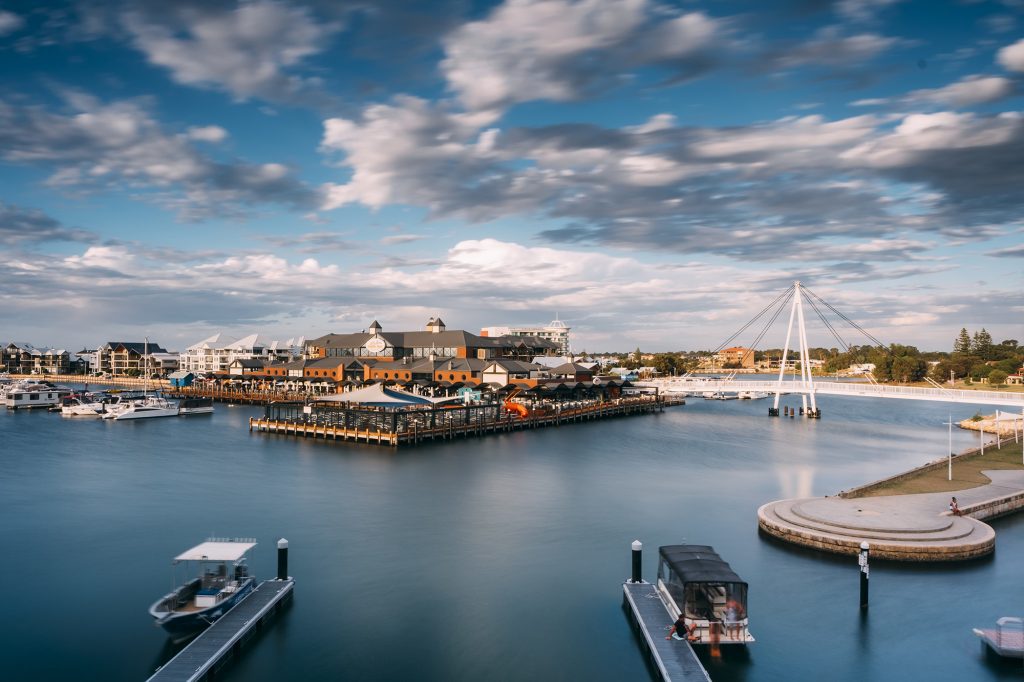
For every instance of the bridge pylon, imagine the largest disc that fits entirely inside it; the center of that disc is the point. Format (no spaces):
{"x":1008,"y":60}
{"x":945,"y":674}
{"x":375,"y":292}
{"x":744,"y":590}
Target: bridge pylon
{"x":796,"y":314}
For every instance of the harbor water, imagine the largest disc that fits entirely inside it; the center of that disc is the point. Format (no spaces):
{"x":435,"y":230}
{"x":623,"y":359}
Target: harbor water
{"x":498,"y":558}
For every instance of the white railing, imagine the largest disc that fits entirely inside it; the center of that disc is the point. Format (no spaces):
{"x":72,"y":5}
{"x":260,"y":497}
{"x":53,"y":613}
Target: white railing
{"x":842,"y":388}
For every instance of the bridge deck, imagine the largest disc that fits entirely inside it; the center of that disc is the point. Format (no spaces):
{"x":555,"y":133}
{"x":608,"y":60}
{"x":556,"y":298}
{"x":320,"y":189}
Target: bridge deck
{"x":675,"y":660}
{"x":847,"y":388}
{"x":205,"y":651}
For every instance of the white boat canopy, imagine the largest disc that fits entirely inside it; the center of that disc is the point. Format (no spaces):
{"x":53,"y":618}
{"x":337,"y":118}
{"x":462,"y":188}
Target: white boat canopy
{"x":216,"y":551}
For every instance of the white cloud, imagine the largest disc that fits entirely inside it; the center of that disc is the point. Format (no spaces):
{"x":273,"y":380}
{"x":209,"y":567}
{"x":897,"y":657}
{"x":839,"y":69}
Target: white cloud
{"x":560,"y":49}
{"x":249,"y":51}
{"x":1012,"y":56}
{"x":207,"y":134}
{"x":966,"y":92}
{"x":9,"y":22}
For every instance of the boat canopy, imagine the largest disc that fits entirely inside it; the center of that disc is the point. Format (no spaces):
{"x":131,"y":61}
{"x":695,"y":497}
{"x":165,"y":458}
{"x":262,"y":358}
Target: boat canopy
{"x":699,"y":581}
{"x":216,"y":551}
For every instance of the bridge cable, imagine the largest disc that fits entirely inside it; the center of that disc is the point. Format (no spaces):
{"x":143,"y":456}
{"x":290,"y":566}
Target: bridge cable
{"x":742,"y":329}
{"x":848,"y":320}
{"x":828,"y":325}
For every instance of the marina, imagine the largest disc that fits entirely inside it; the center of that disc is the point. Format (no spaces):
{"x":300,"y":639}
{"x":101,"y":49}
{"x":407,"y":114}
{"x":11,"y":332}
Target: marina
{"x":58,"y":476}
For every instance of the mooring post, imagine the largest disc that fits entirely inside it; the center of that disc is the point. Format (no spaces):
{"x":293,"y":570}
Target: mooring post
{"x":863,"y":561}
{"x":638,"y":548}
{"x":282,"y":559}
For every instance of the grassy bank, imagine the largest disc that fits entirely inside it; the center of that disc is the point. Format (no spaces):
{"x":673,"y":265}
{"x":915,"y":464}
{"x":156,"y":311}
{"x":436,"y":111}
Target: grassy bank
{"x":966,"y":473}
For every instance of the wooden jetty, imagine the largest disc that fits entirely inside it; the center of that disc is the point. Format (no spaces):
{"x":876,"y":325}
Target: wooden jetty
{"x":410,"y":426}
{"x":673,"y":659}
{"x":205,"y":654}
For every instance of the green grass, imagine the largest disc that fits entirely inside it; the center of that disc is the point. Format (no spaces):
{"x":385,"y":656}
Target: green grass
{"x":966,"y":473}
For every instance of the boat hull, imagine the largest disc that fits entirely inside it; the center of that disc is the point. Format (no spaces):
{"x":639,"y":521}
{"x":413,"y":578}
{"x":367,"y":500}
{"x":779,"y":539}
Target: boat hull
{"x":185,"y":625}
{"x":146,"y":413}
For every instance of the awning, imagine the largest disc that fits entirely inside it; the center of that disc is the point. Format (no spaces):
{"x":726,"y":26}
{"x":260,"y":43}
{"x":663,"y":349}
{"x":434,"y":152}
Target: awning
{"x":216,"y":551}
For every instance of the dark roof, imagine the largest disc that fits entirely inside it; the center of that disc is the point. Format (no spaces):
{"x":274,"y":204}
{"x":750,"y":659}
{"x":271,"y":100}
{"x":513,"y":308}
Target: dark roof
{"x":135,"y":346}
{"x":452,"y":338}
{"x":698,"y":564}
{"x":251,"y":363}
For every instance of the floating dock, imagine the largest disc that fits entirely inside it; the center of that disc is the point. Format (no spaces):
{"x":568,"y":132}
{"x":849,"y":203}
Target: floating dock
{"x":675,"y":660}
{"x":417,"y":425}
{"x":205,"y":654}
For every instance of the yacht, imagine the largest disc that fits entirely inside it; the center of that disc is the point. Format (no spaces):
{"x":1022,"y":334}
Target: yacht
{"x":149,"y":407}
{"x":85,"y":405}
{"x":222,"y":580}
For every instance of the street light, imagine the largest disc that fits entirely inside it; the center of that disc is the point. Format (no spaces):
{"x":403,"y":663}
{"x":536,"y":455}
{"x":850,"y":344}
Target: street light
{"x":950,"y":456}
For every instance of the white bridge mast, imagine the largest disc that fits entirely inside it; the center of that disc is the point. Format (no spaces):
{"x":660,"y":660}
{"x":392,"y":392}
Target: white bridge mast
{"x":797,"y":313}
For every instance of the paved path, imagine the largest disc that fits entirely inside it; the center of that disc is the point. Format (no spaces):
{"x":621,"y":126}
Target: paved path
{"x":901,"y":527}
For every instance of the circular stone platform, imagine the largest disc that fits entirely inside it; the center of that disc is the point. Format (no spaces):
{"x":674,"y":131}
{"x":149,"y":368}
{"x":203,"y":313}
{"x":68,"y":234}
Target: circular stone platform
{"x":900,"y":527}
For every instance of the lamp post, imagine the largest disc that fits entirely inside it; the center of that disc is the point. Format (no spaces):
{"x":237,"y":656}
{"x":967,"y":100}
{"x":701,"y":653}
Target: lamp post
{"x":950,"y":455}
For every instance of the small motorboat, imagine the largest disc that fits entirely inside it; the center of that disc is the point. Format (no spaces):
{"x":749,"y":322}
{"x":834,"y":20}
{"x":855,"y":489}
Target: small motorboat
{"x":694,"y":581}
{"x":1006,"y":638}
{"x":189,"y":406}
{"x":83,"y":405}
{"x":222,"y":579}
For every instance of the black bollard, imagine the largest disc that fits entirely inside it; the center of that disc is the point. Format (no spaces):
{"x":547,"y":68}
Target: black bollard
{"x":863,"y":561}
{"x":282,"y":559}
{"x":637,"y":562}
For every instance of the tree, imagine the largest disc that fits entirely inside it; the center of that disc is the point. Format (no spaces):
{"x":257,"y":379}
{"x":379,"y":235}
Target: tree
{"x":997,"y":377}
{"x":963,"y":342}
{"x":981,"y":345}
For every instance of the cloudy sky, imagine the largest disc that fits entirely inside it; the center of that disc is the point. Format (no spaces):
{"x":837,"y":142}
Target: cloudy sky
{"x":654,"y":173}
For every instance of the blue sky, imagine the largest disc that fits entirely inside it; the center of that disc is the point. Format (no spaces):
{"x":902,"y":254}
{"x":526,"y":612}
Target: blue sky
{"x":654,"y":173}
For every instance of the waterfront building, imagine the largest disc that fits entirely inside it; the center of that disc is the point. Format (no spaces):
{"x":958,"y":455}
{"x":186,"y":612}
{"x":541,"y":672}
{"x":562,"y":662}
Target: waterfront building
{"x":124,"y":358}
{"x":505,"y":372}
{"x":436,"y":341}
{"x":24,"y":358}
{"x":736,"y":356}
{"x":216,"y":353}
{"x":556,"y":332}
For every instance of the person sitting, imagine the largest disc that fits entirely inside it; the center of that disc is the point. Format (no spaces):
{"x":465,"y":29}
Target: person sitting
{"x":681,"y":631}
{"x":954,"y":507}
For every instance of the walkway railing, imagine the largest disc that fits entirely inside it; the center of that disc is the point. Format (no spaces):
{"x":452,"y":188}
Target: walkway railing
{"x":1001,"y":398}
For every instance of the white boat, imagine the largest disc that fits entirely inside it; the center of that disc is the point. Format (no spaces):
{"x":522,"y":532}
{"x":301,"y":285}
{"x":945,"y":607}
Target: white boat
{"x":34,"y":394}
{"x":82,"y":407}
{"x":150,"y":406}
{"x":223,"y":581}
{"x":752,"y":395}
{"x":147,"y":408}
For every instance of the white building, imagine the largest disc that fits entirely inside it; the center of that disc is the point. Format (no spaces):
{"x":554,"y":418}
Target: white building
{"x":556,"y":331}
{"x":216,"y":353}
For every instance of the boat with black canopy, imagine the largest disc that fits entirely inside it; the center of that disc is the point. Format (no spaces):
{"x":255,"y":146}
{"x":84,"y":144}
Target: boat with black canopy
{"x":695,"y":581}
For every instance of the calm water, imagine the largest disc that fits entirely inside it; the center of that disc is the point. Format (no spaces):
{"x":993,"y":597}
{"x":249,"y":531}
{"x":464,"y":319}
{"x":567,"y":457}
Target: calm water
{"x":499,"y":558}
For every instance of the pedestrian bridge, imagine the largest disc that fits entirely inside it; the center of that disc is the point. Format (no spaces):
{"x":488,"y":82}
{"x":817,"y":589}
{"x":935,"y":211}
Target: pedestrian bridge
{"x":846,"y":388}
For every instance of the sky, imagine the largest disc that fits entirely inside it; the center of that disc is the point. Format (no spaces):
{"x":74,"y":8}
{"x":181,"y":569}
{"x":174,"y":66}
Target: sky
{"x":651,"y":173}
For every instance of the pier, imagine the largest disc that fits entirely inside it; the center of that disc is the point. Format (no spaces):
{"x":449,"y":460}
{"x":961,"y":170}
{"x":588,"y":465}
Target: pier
{"x":673,"y":659}
{"x":206,"y":653}
{"x":411,"y":426}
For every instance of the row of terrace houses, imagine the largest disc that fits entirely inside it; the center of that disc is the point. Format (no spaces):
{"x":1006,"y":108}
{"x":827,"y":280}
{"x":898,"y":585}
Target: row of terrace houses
{"x":24,"y":358}
{"x":216,"y":353}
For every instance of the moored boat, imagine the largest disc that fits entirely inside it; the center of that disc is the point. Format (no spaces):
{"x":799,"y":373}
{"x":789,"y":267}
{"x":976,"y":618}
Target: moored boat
{"x":147,"y":408}
{"x":695,"y":582}
{"x":31,"y":394}
{"x":222,"y":580}
{"x":188,"y":406}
